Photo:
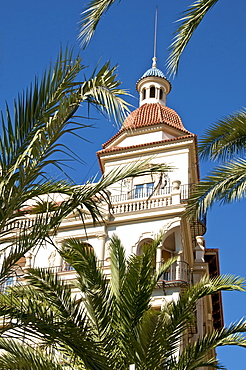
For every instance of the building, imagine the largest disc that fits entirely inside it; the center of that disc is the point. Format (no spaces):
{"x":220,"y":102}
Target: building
{"x":144,"y":206}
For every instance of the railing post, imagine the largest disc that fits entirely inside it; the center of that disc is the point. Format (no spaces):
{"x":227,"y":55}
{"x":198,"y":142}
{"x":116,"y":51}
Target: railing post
{"x":176,"y":192}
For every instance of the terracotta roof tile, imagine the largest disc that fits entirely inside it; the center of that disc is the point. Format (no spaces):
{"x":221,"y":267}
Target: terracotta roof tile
{"x":150,"y":114}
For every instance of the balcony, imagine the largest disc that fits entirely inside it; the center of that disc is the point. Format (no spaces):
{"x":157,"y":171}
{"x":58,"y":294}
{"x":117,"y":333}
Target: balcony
{"x":128,"y":202}
{"x":60,"y":269}
{"x":179,"y":274}
{"x":24,"y":222}
{"x":145,"y":199}
{"x":140,"y":194}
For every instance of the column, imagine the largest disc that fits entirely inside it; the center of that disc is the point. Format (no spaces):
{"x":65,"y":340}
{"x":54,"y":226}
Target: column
{"x":101,"y":251}
{"x":158,"y":256}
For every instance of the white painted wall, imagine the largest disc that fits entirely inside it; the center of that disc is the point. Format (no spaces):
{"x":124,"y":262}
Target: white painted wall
{"x":150,"y":137}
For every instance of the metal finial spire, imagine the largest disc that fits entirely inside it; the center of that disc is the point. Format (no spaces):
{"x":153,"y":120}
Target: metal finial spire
{"x":155,"y":59}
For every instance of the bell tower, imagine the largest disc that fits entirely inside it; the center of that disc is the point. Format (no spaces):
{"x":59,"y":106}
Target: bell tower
{"x":153,"y":86}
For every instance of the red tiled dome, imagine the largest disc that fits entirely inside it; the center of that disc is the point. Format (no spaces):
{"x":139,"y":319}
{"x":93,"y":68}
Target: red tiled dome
{"x":150,"y":114}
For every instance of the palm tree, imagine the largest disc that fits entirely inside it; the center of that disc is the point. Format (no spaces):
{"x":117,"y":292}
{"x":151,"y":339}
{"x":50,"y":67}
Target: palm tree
{"x":29,"y":141}
{"x":224,"y":142}
{"x":101,"y":323}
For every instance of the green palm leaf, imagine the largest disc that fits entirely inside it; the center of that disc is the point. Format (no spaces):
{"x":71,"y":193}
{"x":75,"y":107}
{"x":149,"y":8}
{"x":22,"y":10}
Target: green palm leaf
{"x":102,"y":90}
{"x":196,"y":355}
{"x":225,"y":184}
{"x":90,"y":18}
{"x":225,"y":139}
{"x":118,"y":265}
{"x":155,"y":345}
{"x":41,"y":118}
{"x":190,"y":20}
{"x":20,"y":356}
{"x":48,"y":314}
{"x":92,"y":282}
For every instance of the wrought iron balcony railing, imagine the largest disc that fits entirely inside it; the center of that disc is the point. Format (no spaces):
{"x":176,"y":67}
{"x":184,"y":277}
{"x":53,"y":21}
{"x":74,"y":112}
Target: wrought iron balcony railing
{"x":178,"y":273}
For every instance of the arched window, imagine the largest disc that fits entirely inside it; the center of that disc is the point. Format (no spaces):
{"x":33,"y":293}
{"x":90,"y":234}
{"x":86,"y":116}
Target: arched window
{"x":161,"y":94}
{"x":144,"y":94}
{"x":168,"y":248}
{"x":152,"y":92}
{"x":144,"y":244}
{"x":169,"y":245}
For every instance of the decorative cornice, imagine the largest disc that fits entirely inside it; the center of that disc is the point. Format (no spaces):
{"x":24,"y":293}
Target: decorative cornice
{"x":156,"y":143}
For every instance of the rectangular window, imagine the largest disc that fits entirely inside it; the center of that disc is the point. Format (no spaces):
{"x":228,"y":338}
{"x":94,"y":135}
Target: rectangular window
{"x":9,"y":282}
{"x":149,"y":188}
{"x":143,"y":190}
{"x":139,"y":191}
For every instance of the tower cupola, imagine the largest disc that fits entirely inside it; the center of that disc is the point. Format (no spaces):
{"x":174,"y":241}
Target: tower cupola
{"x":153,"y":86}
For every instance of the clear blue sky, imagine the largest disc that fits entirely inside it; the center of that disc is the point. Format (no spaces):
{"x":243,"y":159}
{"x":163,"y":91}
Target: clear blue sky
{"x":210,"y":84}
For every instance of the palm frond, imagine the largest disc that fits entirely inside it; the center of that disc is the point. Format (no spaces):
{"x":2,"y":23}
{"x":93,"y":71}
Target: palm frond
{"x":190,"y":20}
{"x":155,"y":345}
{"x":92,"y":283}
{"x":41,"y":118}
{"x":195,"y":355}
{"x":36,"y":106}
{"x":51,"y":317}
{"x":117,"y":265}
{"x":18,"y":355}
{"x":90,"y":18}
{"x":224,"y":184}
{"x":225,"y":139}
{"x":179,"y":314}
{"x":207,"y":286}
{"x":102,"y":90}
{"x":139,"y":272}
